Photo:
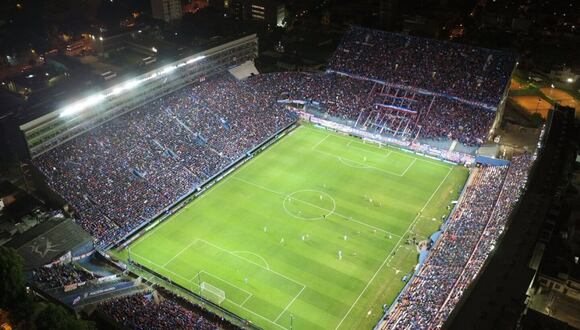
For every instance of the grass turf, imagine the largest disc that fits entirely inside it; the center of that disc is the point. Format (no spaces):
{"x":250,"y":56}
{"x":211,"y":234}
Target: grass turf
{"x":270,"y":233}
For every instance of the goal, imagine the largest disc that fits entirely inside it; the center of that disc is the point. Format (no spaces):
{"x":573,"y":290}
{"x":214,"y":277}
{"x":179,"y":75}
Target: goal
{"x":212,"y":293}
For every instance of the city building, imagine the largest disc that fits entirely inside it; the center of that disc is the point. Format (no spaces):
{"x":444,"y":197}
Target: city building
{"x":167,"y":10}
{"x":563,"y":74}
{"x":269,"y":12}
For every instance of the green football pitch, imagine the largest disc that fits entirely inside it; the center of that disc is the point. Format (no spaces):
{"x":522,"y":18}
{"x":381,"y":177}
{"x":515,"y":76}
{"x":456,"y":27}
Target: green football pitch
{"x":316,"y":232}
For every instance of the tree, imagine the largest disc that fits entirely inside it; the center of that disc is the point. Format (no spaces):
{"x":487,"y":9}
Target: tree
{"x":56,"y":317}
{"x":12,"y":282}
{"x":13,"y":298}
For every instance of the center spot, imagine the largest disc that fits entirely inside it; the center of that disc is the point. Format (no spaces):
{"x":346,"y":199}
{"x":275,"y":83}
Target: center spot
{"x":309,"y":204}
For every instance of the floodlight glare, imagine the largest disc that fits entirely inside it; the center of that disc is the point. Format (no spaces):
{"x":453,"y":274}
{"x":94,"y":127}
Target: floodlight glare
{"x":168,"y":69}
{"x":71,"y":109}
{"x":94,"y":99}
{"x":131,"y":84}
{"x":117,"y":91}
{"x":81,"y":105}
{"x":193,"y":60}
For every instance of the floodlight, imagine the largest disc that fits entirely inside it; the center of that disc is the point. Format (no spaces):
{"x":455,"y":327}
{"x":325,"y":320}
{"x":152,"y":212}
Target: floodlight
{"x":83,"y":104}
{"x":131,"y":84}
{"x":71,"y":109}
{"x":193,"y":60}
{"x":93,"y":99}
{"x":117,"y":90}
{"x":168,"y":69}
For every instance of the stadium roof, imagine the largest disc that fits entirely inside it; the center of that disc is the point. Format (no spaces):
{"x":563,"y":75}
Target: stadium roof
{"x":81,"y":82}
{"x":49,"y":241}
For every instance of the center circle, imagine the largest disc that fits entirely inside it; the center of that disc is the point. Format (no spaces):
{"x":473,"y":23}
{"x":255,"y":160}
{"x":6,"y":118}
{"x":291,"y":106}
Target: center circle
{"x":309,"y":204}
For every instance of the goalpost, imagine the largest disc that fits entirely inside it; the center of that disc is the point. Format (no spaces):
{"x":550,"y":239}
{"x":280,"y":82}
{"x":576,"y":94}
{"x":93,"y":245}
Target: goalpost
{"x":215,"y":292}
{"x":374,"y":142}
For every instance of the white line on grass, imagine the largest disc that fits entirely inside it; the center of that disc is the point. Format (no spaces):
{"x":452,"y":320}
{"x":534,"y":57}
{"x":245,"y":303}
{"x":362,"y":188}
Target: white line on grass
{"x":225,"y":281}
{"x":255,"y":255}
{"x":250,"y":261}
{"x":240,"y":305}
{"x":362,"y":165}
{"x":290,"y":303}
{"x":408,"y":167}
{"x":393,"y":149}
{"x":179,"y":253}
{"x":319,"y":142}
{"x":380,"y":153}
{"x":389,"y":256}
{"x":350,"y":165}
{"x":160,"y":266}
{"x":314,"y":205}
{"x":198,"y":274}
{"x":194,"y":277}
{"x":245,"y":300}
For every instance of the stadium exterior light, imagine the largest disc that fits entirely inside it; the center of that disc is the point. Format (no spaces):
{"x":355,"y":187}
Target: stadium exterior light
{"x":71,"y":110}
{"x":117,"y":91}
{"x":168,"y":69}
{"x":131,"y":84}
{"x":193,"y":60}
{"x":82,"y":105}
{"x":94,"y":99}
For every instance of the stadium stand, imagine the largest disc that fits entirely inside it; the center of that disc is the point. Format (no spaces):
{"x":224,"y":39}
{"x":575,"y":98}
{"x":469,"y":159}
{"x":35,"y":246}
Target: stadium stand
{"x":459,"y":254}
{"x":128,"y":170}
{"x":146,"y":311}
{"x":462,"y":71}
{"x":60,"y":275}
{"x":401,"y":112}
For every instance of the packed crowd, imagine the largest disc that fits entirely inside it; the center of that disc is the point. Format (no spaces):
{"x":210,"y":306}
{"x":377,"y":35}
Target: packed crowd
{"x":459,"y":254}
{"x":130,"y":169}
{"x":60,"y":275}
{"x":149,"y":311}
{"x":450,"y":119}
{"x":474,"y":74}
{"x":382,"y":108}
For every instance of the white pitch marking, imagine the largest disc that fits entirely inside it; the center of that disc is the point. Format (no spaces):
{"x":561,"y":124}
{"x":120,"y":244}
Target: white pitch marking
{"x":314,"y":205}
{"x":290,"y":303}
{"x":255,"y":255}
{"x":408,"y":167}
{"x":390,"y":253}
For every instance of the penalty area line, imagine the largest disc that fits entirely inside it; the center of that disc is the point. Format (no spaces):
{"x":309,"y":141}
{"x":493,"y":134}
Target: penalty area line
{"x":390,"y":255}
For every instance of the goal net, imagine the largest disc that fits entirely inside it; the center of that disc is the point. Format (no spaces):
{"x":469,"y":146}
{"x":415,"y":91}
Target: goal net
{"x":213,"y":293}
